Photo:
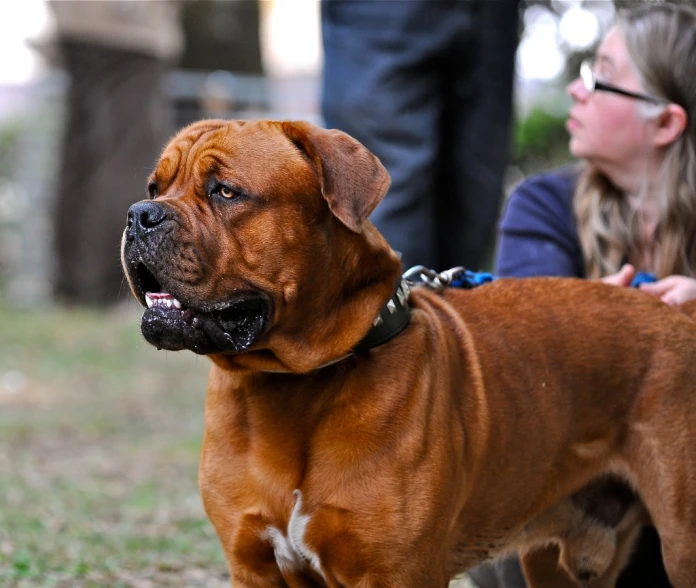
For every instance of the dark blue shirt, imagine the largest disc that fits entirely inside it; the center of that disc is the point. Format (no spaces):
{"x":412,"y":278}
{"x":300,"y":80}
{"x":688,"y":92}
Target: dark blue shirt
{"x":538,"y":234}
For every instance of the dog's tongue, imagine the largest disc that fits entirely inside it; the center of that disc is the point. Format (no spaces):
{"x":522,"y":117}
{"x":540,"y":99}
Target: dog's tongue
{"x":161,"y":299}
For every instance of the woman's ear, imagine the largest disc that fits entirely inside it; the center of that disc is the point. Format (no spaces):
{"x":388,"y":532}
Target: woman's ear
{"x":670,"y":125}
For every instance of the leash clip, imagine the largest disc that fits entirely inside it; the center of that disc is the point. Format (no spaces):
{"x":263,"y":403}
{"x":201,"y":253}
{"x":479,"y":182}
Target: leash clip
{"x":432,"y":279}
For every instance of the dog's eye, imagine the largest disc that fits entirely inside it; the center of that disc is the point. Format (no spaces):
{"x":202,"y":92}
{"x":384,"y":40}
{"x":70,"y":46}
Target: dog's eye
{"x":152,"y":189}
{"x":224,"y":191}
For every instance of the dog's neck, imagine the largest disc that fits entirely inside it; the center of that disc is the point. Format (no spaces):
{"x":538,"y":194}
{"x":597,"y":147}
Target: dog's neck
{"x":393,"y":318}
{"x":348,"y":312}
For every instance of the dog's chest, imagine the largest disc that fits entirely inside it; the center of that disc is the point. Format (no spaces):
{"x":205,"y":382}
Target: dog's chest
{"x":292,"y":553}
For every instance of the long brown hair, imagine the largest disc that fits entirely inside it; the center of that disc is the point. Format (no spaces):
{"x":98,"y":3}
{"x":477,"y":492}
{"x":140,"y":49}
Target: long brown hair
{"x":661,"y":40}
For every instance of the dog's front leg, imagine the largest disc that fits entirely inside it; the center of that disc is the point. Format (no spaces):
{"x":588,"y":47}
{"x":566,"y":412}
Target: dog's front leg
{"x":250,"y":553}
{"x":426,"y":580}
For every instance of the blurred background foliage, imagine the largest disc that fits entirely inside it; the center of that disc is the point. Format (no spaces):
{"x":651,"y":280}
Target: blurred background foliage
{"x":539,"y":140}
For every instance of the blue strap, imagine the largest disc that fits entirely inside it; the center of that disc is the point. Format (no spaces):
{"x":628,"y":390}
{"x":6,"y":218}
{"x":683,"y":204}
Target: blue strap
{"x":468,"y":279}
{"x":643,"y":278}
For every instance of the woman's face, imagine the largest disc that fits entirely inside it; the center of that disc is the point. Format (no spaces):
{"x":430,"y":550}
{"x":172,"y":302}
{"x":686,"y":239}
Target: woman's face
{"x":605,"y":128}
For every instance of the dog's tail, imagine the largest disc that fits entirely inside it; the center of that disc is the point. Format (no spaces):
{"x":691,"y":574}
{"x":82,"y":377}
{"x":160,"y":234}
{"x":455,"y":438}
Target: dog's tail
{"x":688,"y":308}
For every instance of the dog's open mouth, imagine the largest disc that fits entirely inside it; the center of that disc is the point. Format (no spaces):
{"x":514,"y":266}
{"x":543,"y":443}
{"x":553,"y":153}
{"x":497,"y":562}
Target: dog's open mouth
{"x":230,"y":326}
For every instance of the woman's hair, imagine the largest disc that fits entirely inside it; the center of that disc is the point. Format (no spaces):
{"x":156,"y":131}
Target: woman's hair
{"x":661,"y":40}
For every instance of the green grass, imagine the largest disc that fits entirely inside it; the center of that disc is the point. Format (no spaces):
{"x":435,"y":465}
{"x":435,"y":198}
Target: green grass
{"x":99,"y":443}
{"x":99,"y":450}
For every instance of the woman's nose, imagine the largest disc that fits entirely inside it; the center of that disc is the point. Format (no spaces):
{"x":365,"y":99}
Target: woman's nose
{"x":577,"y":91}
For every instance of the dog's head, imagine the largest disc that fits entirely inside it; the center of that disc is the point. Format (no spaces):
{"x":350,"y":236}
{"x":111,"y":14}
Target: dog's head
{"x":255,"y":238}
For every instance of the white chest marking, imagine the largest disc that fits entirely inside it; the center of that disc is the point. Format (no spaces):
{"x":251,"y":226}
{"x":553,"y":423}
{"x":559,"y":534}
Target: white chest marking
{"x":291,"y":551}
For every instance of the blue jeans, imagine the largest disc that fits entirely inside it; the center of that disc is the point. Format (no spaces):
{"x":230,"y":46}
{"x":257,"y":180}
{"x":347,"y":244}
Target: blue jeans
{"x":426,"y":85}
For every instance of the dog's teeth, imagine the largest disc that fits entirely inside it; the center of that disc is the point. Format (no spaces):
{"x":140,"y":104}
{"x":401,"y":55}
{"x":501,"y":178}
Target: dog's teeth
{"x":162,"y":300}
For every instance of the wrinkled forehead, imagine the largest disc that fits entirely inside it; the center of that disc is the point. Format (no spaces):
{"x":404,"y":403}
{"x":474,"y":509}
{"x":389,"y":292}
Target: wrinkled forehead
{"x":254,"y":154}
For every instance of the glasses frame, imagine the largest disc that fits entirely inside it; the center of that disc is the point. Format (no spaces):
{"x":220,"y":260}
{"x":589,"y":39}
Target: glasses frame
{"x":589,"y":80}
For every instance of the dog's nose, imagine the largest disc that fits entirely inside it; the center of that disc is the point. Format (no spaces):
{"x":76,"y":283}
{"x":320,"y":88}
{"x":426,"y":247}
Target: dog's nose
{"x":144,"y":216}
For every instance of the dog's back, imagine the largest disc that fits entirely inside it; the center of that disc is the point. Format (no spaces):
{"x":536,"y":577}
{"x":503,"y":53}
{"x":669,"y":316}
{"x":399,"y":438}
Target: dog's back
{"x":603,"y":382}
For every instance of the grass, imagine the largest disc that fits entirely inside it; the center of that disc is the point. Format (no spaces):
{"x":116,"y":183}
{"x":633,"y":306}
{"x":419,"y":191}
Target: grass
{"x":99,"y":443}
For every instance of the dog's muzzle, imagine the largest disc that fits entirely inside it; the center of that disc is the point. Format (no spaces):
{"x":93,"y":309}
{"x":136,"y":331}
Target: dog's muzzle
{"x":174,"y":319}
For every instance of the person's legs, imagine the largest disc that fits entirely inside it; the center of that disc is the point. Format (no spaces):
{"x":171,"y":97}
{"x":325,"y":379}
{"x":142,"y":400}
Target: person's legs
{"x":75,"y":159}
{"x":382,"y":86}
{"x":117,"y":122}
{"x":476,"y":133}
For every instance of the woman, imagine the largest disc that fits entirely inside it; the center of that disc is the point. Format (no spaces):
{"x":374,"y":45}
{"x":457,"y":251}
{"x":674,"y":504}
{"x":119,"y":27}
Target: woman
{"x":632,"y":205}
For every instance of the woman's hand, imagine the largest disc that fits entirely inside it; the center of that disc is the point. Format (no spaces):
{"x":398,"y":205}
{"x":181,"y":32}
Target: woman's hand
{"x":622,"y":278}
{"x":672,"y":289}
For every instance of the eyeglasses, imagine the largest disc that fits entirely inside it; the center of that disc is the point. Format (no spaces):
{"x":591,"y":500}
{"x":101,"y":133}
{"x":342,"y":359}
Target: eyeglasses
{"x":589,"y":80}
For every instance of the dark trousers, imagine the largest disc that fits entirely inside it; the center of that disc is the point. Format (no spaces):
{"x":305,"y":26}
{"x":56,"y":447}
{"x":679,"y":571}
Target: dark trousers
{"x":116,"y":124}
{"x":426,"y":85}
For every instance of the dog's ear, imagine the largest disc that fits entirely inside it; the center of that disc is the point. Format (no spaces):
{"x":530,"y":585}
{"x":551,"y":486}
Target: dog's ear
{"x":353,"y":181}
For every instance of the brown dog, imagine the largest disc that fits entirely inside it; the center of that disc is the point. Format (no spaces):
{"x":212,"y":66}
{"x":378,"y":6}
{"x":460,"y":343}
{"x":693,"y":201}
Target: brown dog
{"x":330,"y":461}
